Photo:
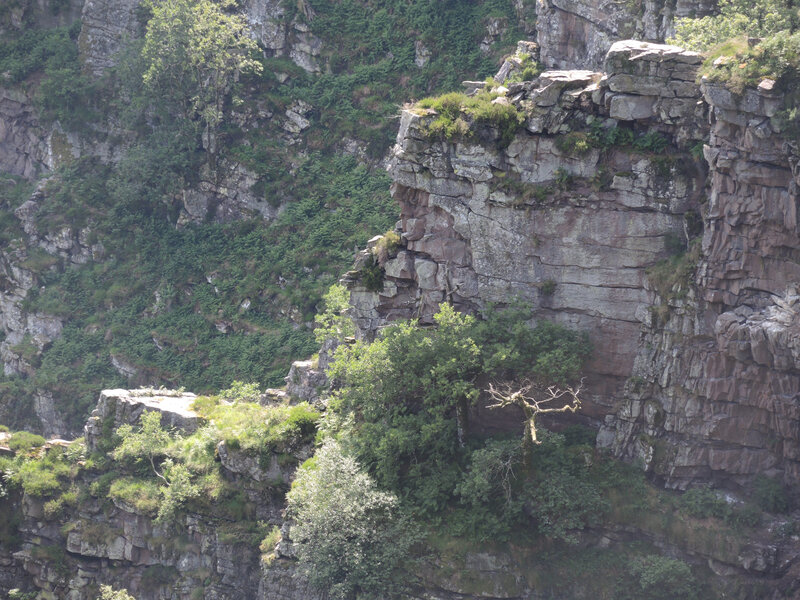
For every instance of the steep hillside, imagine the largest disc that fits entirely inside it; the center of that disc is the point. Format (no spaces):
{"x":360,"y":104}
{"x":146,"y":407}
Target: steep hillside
{"x":270,"y":196}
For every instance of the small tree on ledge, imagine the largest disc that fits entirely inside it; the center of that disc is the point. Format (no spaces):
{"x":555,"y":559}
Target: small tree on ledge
{"x":535,"y":400}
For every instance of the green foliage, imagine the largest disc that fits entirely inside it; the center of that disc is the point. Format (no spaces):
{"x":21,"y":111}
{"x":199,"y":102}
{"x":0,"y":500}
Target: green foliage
{"x":758,"y":18}
{"x":459,"y":116}
{"x":267,"y":545}
{"x":489,"y":492}
{"x":386,"y":246}
{"x":43,"y":477}
{"x":143,"y":495}
{"x":241,"y":392}
{"x":663,"y":578}
{"x":574,"y":143}
{"x":33,"y":50}
{"x":746,"y":42}
{"x":193,"y":51}
{"x":703,"y":503}
{"x":332,"y":321}
{"x":146,"y":444}
{"x":108,"y":593}
{"x":527,"y":70}
{"x":180,"y":488}
{"x":407,"y":392}
{"x":671,"y":277}
{"x":154,"y":289}
{"x":261,"y":430}
{"x":352,"y":539}
{"x":770,"y":495}
{"x":372,"y":275}
{"x":24,"y":441}
{"x":370,"y":55}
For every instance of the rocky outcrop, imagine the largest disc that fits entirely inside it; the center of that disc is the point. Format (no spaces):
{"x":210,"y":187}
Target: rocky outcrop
{"x":24,"y":148}
{"x":293,"y":39}
{"x":572,"y":232}
{"x":149,"y":560}
{"x":125,"y":407}
{"x":698,"y":375}
{"x":106,"y":24}
{"x":576,"y":34}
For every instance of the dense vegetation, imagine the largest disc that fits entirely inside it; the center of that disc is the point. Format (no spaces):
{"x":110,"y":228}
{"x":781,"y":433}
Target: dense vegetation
{"x":747,"y":42}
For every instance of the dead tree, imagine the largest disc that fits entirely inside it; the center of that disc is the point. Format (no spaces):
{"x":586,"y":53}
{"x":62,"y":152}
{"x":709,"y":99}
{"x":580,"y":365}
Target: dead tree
{"x":535,"y":400}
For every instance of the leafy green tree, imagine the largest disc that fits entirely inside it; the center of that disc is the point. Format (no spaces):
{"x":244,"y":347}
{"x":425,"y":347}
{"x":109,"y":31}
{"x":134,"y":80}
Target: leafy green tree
{"x":193,"y":52}
{"x":404,"y":391}
{"x":663,"y":578}
{"x":149,"y":443}
{"x":332,"y":322}
{"x":408,"y":393}
{"x":351,"y":538}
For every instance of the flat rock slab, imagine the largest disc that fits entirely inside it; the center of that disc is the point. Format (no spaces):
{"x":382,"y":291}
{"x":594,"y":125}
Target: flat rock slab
{"x":127,"y":406}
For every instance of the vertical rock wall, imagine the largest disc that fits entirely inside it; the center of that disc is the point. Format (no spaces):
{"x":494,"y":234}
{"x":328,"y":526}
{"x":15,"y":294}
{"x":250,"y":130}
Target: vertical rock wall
{"x":715,"y":392}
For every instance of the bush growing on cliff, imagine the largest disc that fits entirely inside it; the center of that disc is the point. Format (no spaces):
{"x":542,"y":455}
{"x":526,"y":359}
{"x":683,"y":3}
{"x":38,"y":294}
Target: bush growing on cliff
{"x":352,"y":539}
{"x":663,"y":578}
{"x":746,"y":42}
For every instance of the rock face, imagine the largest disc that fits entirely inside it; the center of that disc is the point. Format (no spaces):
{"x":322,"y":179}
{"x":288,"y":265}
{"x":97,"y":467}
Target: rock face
{"x":578,"y":33}
{"x":717,"y":397}
{"x":698,"y":377}
{"x":98,"y":541}
{"x":105,"y":26}
{"x":24,"y":148}
{"x":571,"y":232}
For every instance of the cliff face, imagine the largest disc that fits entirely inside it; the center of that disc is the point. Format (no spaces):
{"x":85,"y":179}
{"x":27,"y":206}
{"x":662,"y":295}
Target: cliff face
{"x":724,"y":376}
{"x":697,"y":375}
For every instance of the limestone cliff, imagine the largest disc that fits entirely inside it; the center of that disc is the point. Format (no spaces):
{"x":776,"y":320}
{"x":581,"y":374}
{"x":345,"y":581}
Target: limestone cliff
{"x":697,"y":376}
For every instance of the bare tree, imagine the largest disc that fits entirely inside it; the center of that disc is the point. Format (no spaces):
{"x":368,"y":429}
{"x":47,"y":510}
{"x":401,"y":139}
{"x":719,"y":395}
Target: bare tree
{"x":535,"y":400}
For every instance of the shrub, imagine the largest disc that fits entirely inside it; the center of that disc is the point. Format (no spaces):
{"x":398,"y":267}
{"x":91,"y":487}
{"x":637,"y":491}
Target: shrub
{"x":770,"y":494}
{"x":351,"y":538}
{"x":143,"y":495}
{"x":23,"y":441}
{"x":527,"y":70}
{"x":456,"y":114}
{"x":574,"y":143}
{"x":372,"y":275}
{"x":332,"y":321}
{"x":386,"y":246}
{"x":756,"y":18}
{"x":43,"y":477}
{"x":702,"y":503}
{"x":663,"y":578}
